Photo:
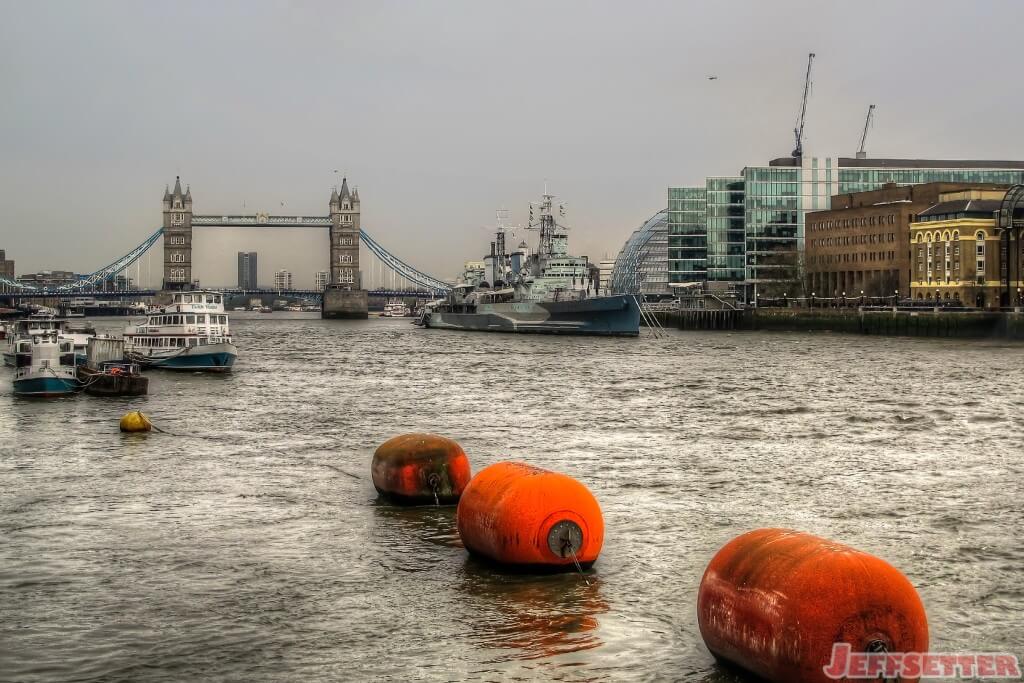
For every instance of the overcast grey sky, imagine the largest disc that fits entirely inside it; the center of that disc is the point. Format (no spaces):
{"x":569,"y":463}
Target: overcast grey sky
{"x":443,"y":111}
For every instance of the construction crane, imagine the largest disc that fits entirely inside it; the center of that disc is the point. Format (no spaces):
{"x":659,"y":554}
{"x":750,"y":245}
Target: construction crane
{"x":799,"y":130}
{"x":861,"y":154}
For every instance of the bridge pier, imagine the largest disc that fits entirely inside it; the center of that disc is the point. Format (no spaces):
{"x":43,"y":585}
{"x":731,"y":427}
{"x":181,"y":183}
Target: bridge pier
{"x":343,"y":303}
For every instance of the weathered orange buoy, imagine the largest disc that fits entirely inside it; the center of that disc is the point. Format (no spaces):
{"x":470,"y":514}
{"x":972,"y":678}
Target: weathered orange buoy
{"x":517,"y":514}
{"x":774,"y":601}
{"x":414,"y":469}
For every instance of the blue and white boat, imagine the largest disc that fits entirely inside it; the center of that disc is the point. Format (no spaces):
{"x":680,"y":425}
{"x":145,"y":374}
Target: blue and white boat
{"x":48,"y":369}
{"x":190,"y":333}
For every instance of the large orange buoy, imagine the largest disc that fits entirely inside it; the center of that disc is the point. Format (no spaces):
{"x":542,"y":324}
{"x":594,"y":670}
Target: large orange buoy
{"x":774,"y":601}
{"x":415,"y":469}
{"x":517,"y":514}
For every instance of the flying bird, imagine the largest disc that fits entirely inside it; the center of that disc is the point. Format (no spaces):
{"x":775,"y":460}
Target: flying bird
{"x":712,"y":78}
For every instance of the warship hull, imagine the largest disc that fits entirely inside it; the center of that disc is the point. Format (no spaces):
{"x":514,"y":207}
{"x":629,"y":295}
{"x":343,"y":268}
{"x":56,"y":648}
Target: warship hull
{"x":610,"y":316}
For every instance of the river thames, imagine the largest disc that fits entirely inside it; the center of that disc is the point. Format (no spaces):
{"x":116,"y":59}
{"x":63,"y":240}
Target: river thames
{"x":248,"y":543}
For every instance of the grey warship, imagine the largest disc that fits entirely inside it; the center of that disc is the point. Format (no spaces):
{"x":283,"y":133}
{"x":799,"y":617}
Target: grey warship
{"x":544,"y":292}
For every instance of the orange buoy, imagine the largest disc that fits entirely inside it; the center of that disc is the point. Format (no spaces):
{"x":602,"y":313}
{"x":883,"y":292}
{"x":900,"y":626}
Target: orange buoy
{"x":517,"y":514}
{"x":774,"y":601}
{"x":416,"y":469}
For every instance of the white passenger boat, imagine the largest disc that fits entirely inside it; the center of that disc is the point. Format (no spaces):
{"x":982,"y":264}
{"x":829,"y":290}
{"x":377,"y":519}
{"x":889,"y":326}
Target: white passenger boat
{"x":48,"y":369}
{"x":395,"y":309}
{"x":191,"y":333}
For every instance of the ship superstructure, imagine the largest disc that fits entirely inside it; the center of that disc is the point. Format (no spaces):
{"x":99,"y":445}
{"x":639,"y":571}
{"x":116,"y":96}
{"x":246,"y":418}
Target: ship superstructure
{"x":544,"y":291}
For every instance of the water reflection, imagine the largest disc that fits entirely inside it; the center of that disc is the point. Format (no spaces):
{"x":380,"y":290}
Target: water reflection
{"x":427,"y":523}
{"x":524,"y":616}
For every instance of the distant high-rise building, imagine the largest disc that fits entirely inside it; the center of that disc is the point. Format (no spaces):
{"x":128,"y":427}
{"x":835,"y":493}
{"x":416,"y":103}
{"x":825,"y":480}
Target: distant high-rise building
{"x":6,"y":267}
{"x":282,"y":279}
{"x":323,"y":278}
{"x":247,"y":270}
{"x":6,"y":270}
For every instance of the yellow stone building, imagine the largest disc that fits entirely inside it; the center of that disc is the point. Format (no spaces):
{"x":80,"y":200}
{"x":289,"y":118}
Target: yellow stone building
{"x":955,"y":252}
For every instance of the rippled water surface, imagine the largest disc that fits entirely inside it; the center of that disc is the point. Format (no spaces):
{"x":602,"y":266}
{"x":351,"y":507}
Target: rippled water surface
{"x":250,"y":545}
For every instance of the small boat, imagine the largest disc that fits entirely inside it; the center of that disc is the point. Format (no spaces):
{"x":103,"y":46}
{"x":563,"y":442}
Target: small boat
{"x":191,"y":333}
{"x":106,"y":373}
{"x":239,"y":308}
{"x":113,"y":379}
{"x":48,"y":369}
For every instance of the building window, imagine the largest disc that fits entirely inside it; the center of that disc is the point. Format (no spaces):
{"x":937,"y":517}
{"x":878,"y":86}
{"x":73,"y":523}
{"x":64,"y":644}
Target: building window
{"x":346,"y":241}
{"x":980,"y":250}
{"x":345,"y":258}
{"x":177,"y":219}
{"x":346,"y":275}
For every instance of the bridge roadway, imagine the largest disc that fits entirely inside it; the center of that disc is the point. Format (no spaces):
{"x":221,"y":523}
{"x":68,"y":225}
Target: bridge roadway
{"x":142,"y":293}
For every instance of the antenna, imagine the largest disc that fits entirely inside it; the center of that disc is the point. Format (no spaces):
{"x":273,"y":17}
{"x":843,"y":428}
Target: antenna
{"x":798,"y":131}
{"x":861,"y":154}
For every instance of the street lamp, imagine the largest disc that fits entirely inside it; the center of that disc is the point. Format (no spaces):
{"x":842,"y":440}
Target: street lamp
{"x":811,"y":302}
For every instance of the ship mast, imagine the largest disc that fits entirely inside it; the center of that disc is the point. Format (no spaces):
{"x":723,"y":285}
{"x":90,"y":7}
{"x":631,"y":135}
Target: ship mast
{"x":552,"y":235}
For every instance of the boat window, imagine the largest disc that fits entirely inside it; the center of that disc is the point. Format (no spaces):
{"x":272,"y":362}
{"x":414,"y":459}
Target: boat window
{"x":190,"y":319}
{"x":216,"y":299}
{"x":223,"y":320}
{"x":177,"y":298}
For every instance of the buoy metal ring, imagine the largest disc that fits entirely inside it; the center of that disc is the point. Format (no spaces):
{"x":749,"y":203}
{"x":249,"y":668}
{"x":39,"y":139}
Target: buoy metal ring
{"x":565,"y":538}
{"x":564,"y":533}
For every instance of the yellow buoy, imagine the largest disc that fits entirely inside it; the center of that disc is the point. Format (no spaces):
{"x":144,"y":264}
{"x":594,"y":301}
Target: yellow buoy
{"x":135,"y":421}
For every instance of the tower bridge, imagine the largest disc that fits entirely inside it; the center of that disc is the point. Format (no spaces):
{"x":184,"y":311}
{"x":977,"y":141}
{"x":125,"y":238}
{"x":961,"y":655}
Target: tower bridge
{"x":343,"y":297}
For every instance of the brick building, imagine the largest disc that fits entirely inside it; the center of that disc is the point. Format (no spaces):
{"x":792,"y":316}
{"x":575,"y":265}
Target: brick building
{"x":862,"y":244}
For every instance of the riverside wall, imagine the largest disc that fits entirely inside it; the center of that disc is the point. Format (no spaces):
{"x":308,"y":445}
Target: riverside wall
{"x":902,"y":323}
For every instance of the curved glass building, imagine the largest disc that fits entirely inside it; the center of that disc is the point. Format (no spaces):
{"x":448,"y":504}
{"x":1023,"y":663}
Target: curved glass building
{"x":642,"y":265}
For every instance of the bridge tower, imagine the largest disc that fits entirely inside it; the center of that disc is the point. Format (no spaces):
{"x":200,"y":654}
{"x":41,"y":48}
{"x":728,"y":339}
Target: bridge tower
{"x":345,"y":237}
{"x":177,"y":237}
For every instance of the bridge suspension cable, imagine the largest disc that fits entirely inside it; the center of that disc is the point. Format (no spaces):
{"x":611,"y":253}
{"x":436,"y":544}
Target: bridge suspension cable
{"x":402,"y":268}
{"x":107,"y":273}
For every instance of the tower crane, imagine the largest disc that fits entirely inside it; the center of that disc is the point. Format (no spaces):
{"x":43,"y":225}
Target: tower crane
{"x":798,"y":132}
{"x":861,"y":154}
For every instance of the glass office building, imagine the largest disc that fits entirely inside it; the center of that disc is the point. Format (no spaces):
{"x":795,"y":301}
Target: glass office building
{"x":725,"y":228}
{"x":687,"y":234}
{"x":767,"y":248}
